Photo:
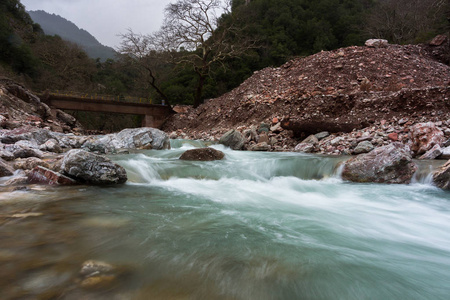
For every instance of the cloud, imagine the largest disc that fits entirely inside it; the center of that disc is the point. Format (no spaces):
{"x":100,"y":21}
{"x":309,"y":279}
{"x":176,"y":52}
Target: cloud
{"x":105,"y":19}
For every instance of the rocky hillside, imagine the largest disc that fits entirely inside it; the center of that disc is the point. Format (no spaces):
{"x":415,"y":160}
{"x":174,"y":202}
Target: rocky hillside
{"x":20,"y":109}
{"x":337,"y":91}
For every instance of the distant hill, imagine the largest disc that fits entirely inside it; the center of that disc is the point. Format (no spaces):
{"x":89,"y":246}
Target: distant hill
{"x":56,"y":25}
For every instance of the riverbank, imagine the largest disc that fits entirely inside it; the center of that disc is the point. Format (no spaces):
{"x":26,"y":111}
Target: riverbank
{"x":371,"y":94}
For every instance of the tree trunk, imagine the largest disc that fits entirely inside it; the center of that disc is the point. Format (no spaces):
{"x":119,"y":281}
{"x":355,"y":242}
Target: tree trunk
{"x":199,"y":90}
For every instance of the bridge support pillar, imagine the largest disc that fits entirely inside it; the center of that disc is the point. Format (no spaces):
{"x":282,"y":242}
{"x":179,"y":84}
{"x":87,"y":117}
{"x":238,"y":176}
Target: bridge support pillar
{"x":149,"y":121}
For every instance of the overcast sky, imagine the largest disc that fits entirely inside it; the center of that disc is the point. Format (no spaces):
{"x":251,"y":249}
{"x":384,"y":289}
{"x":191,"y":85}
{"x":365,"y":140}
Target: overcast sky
{"x":104,"y":19}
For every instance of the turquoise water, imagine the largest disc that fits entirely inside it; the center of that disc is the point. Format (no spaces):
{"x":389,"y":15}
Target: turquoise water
{"x":253,"y":226}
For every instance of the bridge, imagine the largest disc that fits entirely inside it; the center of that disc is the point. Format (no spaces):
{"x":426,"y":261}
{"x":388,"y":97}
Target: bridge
{"x":154,"y":114}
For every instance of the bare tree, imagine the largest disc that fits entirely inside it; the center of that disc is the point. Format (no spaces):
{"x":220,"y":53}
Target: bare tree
{"x":402,"y":21}
{"x":201,"y":33}
{"x":143,"y":51}
{"x":195,"y":33}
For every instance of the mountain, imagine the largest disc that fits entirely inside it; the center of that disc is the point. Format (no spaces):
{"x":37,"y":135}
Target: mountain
{"x":56,"y":25}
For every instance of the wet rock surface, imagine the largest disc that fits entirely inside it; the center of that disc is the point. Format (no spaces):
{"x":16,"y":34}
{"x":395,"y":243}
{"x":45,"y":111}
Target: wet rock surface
{"x":388,"y":164}
{"x":233,"y":139}
{"x":90,"y":168}
{"x":42,"y":175}
{"x":202,"y":154}
{"x":137,"y":138}
{"x":441,"y":178}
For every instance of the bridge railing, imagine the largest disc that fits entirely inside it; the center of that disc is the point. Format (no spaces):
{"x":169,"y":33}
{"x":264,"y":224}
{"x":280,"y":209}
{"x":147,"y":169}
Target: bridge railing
{"x":87,"y":96}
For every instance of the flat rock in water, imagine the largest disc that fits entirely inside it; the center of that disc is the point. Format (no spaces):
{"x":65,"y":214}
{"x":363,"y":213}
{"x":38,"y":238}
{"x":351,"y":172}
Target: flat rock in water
{"x":86,"y":167}
{"x":202,"y":154}
{"x":387,"y":164}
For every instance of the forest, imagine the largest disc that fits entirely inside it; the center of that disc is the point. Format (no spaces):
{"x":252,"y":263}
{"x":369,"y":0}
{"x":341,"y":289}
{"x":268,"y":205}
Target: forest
{"x":249,"y":35}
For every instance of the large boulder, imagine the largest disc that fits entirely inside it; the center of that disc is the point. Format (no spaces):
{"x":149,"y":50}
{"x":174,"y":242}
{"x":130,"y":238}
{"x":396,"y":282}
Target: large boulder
{"x":424,"y":136}
{"x":233,"y":139}
{"x":441,"y":177}
{"x":135,"y":138}
{"x":388,"y":164}
{"x":91,"y":168}
{"x":202,"y":154}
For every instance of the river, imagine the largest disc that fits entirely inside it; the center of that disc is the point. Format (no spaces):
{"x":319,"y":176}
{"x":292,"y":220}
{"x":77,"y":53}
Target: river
{"x":253,"y":226}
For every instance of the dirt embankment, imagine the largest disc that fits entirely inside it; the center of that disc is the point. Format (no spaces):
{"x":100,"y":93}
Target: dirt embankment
{"x":337,"y":91}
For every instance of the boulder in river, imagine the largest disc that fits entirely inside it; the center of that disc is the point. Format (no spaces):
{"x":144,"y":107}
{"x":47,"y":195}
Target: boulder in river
{"x":441,"y":177}
{"x":387,"y":164}
{"x":135,"y":138}
{"x":86,"y":167}
{"x":202,"y":154}
{"x":233,"y":139}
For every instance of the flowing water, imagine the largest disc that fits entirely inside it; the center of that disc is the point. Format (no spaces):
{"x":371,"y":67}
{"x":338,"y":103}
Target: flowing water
{"x":253,"y":226}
